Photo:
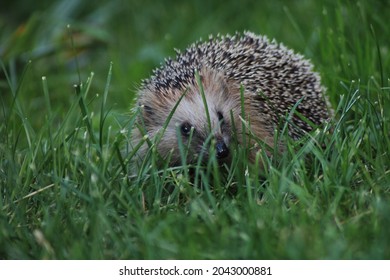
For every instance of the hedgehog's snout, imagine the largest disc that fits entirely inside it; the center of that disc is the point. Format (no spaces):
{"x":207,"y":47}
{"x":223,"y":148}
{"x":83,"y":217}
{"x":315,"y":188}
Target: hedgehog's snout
{"x":222,"y":151}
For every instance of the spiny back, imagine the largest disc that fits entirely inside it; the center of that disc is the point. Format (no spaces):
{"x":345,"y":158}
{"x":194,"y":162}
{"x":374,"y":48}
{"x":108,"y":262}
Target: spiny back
{"x":275,"y":76}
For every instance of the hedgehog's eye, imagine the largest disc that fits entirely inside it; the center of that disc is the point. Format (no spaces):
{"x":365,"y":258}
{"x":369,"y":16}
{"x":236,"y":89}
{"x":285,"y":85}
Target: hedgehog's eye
{"x":185,"y":129}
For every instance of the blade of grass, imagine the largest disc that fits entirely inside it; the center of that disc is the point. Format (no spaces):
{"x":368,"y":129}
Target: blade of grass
{"x":103,"y":113}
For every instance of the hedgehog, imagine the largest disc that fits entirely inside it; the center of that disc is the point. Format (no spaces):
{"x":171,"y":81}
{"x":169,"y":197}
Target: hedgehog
{"x":223,"y":90}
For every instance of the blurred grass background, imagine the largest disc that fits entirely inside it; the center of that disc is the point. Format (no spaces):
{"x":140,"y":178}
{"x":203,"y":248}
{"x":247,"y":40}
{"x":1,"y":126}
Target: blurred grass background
{"x":339,"y":206}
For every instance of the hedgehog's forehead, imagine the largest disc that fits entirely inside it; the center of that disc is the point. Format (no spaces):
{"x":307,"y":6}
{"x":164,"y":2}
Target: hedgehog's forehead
{"x":190,"y":110}
{"x":191,"y":102}
{"x":193,"y":107}
{"x":194,"y":104}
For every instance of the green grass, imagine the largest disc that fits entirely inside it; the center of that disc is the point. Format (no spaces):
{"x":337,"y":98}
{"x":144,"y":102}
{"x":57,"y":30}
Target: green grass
{"x":65,"y":188}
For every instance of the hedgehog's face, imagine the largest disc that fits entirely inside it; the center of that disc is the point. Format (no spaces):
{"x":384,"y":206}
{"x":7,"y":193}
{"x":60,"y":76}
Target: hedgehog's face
{"x":190,"y":129}
{"x":198,"y":132}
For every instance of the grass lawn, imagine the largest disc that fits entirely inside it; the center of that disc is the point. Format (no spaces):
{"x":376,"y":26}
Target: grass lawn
{"x":69,"y":71}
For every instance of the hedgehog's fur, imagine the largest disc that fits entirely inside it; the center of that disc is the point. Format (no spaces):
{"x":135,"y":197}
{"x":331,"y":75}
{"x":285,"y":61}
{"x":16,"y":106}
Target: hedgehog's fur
{"x":273,"y":81}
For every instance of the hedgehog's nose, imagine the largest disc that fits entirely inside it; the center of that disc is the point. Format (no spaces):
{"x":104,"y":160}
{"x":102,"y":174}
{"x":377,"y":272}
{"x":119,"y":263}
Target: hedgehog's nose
{"x":221,"y":149}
